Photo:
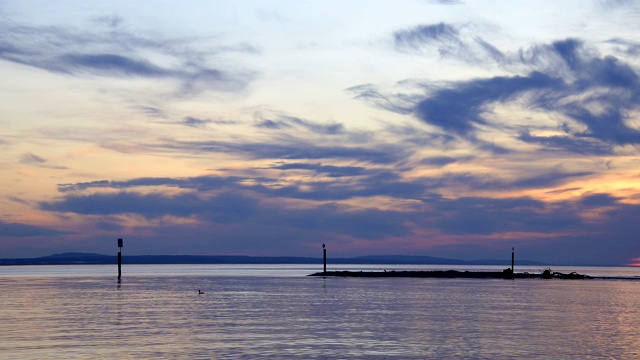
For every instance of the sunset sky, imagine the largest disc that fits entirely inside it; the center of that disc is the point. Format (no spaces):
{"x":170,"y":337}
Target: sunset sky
{"x":443,"y":128}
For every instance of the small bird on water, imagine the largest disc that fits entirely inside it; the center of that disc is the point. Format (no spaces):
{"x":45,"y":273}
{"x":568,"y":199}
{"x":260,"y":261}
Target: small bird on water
{"x":200,"y":292}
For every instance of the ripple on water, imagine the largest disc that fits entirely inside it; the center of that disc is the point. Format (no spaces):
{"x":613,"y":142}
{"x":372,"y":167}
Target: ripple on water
{"x":301,"y":317}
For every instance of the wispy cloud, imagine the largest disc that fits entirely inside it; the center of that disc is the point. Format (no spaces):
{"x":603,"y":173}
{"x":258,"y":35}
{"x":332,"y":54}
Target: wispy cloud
{"x":626,"y":46}
{"x":329,"y":170}
{"x":290,"y":122}
{"x":296,"y":150}
{"x":449,"y":41}
{"x":35,"y":160}
{"x":399,"y":103}
{"x":29,"y":158}
{"x":568,"y":78}
{"x":440,"y":161}
{"x":349,"y":182}
{"x":194,"y":122}
{"x":17,"y":200}
{"x":425,"y":34}
{"x":152,"y":111}
{"x":113,"y":51}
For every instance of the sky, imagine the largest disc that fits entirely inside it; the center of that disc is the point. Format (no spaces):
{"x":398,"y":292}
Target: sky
{"x":455,"y":129}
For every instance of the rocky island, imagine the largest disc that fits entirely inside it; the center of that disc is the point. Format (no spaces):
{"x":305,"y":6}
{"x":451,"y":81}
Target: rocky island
{"x":505,"y":274}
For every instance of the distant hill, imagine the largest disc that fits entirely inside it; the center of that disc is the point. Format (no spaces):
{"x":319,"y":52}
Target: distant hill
{"x":71,"y":255}
{"x":429,"y":260}
{"x":75,"y":258}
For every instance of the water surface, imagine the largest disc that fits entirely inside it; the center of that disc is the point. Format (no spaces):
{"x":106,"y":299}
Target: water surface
{"x":275,"y":311}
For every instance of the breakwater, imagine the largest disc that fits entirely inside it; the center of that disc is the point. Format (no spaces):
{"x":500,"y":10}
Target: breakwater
{"x":506,"y":274}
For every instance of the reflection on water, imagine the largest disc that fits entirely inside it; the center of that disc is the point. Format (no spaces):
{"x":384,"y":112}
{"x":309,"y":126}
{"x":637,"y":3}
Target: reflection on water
{"x":91,"y":316}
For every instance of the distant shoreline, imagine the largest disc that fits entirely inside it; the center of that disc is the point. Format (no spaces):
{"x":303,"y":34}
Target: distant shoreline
{"x":99,"y":259}
{"x":76,"y":258}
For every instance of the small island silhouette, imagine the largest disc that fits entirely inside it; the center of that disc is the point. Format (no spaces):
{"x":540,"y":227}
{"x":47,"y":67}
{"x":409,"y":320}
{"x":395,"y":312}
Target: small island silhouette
{"x":505,"y":274}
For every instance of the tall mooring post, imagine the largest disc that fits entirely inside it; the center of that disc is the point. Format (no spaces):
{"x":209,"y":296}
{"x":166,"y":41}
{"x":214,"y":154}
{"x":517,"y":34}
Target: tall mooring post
{"x":119,"y":259}
{"x":324,"y":252}
{"x":513,"y":258}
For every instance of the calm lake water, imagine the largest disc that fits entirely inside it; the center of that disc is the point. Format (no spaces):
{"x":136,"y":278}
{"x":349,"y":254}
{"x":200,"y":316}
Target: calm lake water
{"x":275,"y":311}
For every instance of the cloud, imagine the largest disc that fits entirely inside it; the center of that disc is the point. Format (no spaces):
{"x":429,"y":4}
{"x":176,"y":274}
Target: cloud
{"x":110,"y":64}
{"x":578,"y":145}
{"x":349,"y":182}
{"x":290,"y":122}
{"x":286,"y":138}
{"x":17,"y":200}
{"x":326,"y":202}
{"x":232,"y":208}
{"x":194,"y":122}
{"x":329,"y":170}
{"x":625,"y":46}
{"x":200,"y":183}
{"x":115,"y":52}
{"x":35,"y":160}
{"x":598,"y":92}
{"x":290,"y":149}
{"x":112,"y":22}
{"x":378,"y":184}
{"x":425,"y":34}
{"x":556,"y":177}
{"x":109,"y":225}
{"x":29,"y":158}
{"x":151,"y":205}
{"x":271,"y":124}
{"x":598,"y":95}
{"x":152,"y":111}
{"x":483,"y":216}
{"x":362,"y":183}
{"x":188,"y":121}
{"x":441,"y":161}
{"x":461,"y":43}
{"x":398,"y":103}
{"x":613,"y":4}
{"x":24,"y":230}
{"x":214,"y":202}
{"x":365,"y":224}
{"x":460,"y":108}
{"x":598,"y":200}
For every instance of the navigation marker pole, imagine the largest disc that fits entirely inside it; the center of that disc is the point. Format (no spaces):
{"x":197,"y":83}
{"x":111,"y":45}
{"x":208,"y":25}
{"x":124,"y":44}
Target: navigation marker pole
{"x":119,"y":259}
{"x":324,"y":251}
{"x":512,"y":261}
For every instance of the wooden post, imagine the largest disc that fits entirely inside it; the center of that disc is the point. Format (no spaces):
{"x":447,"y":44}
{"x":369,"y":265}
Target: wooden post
{"x":119,"y":259}
{"x":324,"y":252}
